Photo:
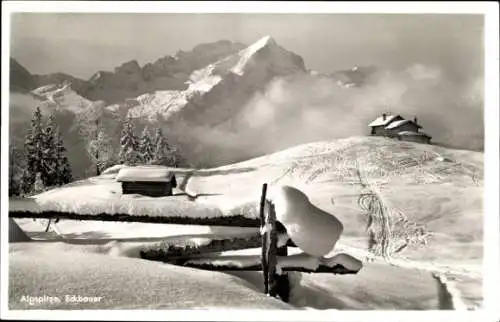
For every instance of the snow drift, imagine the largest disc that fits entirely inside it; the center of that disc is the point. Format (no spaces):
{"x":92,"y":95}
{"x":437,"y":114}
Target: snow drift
{"x":38,"y":269}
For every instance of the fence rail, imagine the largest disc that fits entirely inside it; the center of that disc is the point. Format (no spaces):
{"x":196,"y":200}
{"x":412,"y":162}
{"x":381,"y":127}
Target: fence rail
{"x":276,"y":282}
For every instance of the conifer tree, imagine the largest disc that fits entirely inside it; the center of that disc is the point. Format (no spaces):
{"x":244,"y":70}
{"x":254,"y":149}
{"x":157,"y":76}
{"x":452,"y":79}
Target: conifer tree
{"x":128,"y":144}
{"x":63,"y":167}
{"x":34,"y":152}
{"x":38,"y":186}
{"x":101,"y":151}
{"x":15,"y":168}
{"x":164,"y":154}
{"x":159,"y":144}
{"x":146,"y":148}
{"x":50,"y":160}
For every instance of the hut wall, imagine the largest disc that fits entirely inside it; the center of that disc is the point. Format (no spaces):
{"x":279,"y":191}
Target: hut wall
{"x":415,"y":138}
{"x":379,"y":130}
{"x":405,"y":127}
{"x":152,"y":189}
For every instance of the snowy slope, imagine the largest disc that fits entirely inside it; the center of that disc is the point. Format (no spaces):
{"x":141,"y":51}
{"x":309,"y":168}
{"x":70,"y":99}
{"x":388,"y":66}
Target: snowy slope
{"x":432,"y":197}
{"x":58,"y":269}
{"x":444,"y":196}
{"x":425,"y":189}
{"x":101,"y":255}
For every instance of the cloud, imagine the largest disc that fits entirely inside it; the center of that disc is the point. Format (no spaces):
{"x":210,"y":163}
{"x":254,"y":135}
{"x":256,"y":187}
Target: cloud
{"x":305,"y":108}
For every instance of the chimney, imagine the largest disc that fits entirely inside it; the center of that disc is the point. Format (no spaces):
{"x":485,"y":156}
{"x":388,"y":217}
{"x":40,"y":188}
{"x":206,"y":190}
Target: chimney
{"x":415,"y":120}
{"x":383,"y":116}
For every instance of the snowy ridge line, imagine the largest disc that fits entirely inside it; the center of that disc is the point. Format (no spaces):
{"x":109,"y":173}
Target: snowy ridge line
{"x":229,"y":220}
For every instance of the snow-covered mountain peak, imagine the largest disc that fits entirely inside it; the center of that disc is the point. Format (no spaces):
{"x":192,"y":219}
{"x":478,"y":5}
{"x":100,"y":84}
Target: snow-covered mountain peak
{"x":61,"y":96}
{"x":262,"y":42}
{"x":228,"y":82}
{"x":271,"y":53}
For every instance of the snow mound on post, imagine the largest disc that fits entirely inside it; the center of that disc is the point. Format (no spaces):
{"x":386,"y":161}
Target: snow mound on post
{"x":313,"y":230}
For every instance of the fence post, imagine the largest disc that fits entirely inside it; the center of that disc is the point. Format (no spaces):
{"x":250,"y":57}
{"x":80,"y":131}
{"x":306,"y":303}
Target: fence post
{"x":264,"y":236}
{"x":283,"y":287}
{"x":278,"y":282}
{"x":271,"y":250}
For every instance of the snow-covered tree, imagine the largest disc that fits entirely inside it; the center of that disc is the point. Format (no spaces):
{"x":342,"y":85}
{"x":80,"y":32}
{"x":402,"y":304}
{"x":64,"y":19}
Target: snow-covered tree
{"x":173,"y":157}
{"x":161,"y":148}
{"x":128,"y":144}
{"x":15,"y":168}
{"x":38,"y":186}
{"x":101,"y":151}
{"x":63,"y":167}
{"x":146,"y":147}
{"x":34,"y":152}
{"x":165,"y":153}
{"x":50,"y":169}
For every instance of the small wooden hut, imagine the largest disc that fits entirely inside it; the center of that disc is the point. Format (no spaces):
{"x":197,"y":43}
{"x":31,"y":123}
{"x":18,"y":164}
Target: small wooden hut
{"x":147,"y":181}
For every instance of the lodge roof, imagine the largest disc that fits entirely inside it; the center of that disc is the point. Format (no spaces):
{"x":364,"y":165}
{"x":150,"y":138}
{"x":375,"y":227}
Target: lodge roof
{"x":145,"y":174}
{"x":379,"y":121}
{"x":399,"y":123}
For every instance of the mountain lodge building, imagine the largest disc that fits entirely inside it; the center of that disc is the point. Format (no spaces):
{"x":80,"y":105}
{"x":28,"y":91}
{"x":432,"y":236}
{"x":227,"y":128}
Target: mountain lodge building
{"x":395,"y":126}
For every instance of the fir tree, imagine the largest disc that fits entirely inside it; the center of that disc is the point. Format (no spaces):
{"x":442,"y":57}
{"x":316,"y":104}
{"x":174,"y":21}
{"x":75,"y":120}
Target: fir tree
{"x":63,"y":167}
{"x":34,"y":152}
{"x":164,"y":154}
{"x":128,"y":144}
{"x":145,"y":148}
{"x":49,"y":156}
{"x":38,"y":186}
{"x":101,"y":151}
{"x":159,"y":144}
{"x":172,"y":158}
{"x":15,"y":168}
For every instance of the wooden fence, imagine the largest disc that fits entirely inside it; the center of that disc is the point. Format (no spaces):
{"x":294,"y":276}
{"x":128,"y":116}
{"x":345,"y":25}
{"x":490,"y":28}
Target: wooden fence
{"x":276,"y":281}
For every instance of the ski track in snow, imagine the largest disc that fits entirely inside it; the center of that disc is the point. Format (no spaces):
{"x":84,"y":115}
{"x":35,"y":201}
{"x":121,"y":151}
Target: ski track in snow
{"x":443,"y":274}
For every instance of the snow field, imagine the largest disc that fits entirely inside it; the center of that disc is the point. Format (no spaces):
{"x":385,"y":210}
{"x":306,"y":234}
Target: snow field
{"x":448,"y":206}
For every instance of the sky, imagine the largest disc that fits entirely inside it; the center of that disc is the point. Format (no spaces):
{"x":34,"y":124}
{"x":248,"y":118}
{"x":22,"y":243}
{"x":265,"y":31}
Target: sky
{"x":83,"y":43}
{"x":431,"y":65}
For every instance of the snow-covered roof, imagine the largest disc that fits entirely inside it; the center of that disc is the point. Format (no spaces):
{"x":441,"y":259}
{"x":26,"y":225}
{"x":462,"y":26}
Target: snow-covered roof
{"x":396,"y":124}
{"x":411,"y":133}
{"x":379,"y":121}
{"x":152,"y":174}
